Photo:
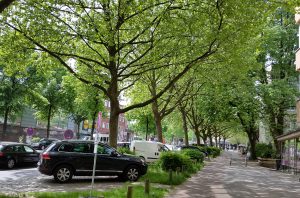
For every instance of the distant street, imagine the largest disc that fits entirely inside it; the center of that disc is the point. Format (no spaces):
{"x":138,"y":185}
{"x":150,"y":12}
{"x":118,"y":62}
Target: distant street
{"x":28,"y":179}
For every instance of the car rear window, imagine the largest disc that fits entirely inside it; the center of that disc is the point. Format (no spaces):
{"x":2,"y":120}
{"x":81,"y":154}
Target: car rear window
{"x":66,"y":148}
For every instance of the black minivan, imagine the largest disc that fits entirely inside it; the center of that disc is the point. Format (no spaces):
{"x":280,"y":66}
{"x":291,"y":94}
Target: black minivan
{"x":63,"y":159}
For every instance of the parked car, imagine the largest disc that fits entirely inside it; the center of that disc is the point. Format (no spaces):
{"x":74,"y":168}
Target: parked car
{"x":148,"y":150}
{"x":63,"y":159}
{"x":13,"y":153}
{"x":191,"y":147}
{"x":43,"y":143}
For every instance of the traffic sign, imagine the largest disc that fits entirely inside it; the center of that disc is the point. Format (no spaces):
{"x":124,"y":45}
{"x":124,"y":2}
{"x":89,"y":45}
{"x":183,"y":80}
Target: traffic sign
{"x":68,"y":134}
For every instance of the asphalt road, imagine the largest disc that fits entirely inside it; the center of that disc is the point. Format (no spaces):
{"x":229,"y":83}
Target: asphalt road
{"x":29,"y":179}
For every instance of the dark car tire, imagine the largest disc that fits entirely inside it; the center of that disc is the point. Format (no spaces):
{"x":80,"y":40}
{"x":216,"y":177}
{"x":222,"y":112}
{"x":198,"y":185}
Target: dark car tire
{"x":131,"y":173}
{"x":63,"y":174}
{"x":11,"y":163}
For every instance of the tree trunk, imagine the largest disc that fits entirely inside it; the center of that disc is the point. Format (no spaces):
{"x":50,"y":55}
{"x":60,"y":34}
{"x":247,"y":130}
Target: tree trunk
{"x":78,"y":129}
{"x":113,"y":128}
{"x":184,"y":125}
{"x":93,"y":123}
{"x":114,"y":121}
{"x":216,"y":140}
{"x":157,"y":119}
{"x":209,"y":134}
{"x":204,"y":137}
{"x":197,"y":133}
{"x":224,"y":142}
{"x":7,"y":109}
{"x":48,"y":121}
{"x":252,"y":140}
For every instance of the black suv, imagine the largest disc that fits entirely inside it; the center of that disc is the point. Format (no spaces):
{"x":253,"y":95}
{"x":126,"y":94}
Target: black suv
{"x":63,"y":159}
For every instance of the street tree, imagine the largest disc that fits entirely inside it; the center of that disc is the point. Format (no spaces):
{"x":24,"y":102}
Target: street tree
{"x":47,"y":96}
{"x":113,"y":42}
{"x":278,"y":78}
{"x":12,"y":95}
{"x":246,"y":108}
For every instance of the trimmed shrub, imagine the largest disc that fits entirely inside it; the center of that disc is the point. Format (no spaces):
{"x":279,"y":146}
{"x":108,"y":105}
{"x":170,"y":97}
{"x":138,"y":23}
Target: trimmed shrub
{"x":212,"y":151}
{"x":264,"y":150}
{"x":175,"y":161}
{"x":194,"y":154}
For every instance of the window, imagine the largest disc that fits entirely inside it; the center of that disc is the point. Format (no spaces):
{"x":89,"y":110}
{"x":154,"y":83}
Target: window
{"x":104,"y":150}
{"x":107,"y":125}
{"x":103,"y":125}
{"x":8,"y":149}
{"x":28,"y":149}
{"x":66,"y":148}
{"x":82,"y":148}
{"x":19,"y":148}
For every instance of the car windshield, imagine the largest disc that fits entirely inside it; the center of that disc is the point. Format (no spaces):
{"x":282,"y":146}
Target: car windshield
{"x":1,"y":147}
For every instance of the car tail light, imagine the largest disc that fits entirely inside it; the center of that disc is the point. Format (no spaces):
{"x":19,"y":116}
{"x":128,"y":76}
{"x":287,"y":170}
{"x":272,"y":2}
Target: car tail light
{"x":46,"y":156}
{"x":1,"y":154}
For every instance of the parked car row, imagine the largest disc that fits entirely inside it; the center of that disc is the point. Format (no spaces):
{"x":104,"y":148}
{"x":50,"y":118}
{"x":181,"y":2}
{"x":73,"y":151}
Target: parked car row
{"x":67,"y":158}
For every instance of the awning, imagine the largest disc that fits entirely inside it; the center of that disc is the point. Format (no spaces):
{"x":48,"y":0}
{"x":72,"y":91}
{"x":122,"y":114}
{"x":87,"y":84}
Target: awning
{"x":287,"y":136}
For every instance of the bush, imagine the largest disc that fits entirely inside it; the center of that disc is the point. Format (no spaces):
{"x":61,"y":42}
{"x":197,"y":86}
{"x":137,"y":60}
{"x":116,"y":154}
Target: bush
{"x":212,"y":151}
{"x":194,"y":154}
{"x":35,"y":139}
{"x":264,"y":150}
{"x":175,"y":161}
{"x":125,"y":150}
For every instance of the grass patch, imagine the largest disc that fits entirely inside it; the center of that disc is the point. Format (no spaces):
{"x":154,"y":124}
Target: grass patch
{"x":138,"y":191}
{"x":156,"y":175}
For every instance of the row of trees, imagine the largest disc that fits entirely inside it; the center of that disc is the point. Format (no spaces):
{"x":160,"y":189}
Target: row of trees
{"x":51,"y":93}
{"x":199,"y":60}
{"x":221,"y":102}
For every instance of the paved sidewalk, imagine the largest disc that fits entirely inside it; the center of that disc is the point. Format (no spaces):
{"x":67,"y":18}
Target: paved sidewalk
{"x":220,"y":180}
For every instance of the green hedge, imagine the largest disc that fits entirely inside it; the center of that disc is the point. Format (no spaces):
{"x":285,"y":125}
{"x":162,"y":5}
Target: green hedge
{"x":176,"y":161}
{"x":210,"y":150}
{"x":264,"y":150}
{"x":194,"y":154}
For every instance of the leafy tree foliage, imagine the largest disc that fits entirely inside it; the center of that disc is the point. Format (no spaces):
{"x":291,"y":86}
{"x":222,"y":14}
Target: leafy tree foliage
{"x":113,"y":42}
{"x":12,"y":95}
{"x":81,"y":101}
{"x":278,"y":76}
{"x":47,"y":96}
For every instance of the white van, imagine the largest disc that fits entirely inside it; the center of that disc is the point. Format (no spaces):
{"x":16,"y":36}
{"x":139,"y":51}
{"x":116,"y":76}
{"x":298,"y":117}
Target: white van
{"x":147,"y":149}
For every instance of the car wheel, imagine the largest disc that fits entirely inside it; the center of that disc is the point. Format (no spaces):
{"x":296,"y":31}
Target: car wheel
{"x":132,"y":173}
{"x":63,"y":174}
{"x":11,"y":163}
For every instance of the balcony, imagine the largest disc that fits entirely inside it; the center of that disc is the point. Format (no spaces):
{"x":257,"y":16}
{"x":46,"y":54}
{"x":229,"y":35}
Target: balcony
{"x":297,"y":15}
{"x":297,"y":62}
